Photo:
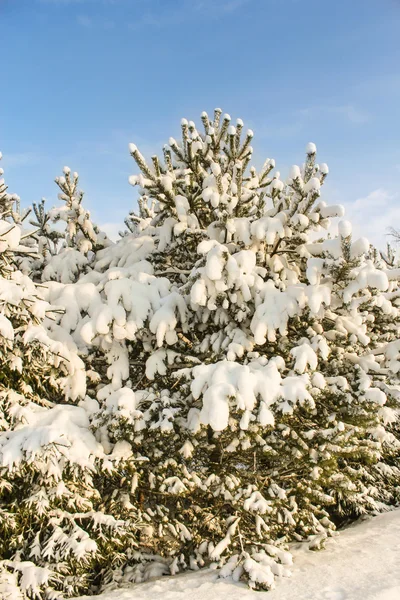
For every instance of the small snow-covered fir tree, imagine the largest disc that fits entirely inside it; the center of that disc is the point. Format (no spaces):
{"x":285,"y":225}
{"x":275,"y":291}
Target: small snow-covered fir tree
{"x":54,"y":524}
{"x":82,"y":237}
{"x":242,"y":363}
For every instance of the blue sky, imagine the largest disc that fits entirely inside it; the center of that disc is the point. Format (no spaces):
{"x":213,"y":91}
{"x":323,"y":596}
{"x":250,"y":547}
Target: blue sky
{"x":82,"y":78}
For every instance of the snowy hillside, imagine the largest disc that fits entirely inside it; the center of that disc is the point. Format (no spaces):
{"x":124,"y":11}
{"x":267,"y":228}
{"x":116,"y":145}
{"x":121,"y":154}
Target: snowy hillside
{"x":362,"y":563}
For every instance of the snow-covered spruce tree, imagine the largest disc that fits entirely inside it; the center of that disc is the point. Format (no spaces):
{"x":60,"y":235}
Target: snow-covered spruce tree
{"x":82,"y":237}
{"x":29,"y":360}
{"x":47,"y":239}
{"x":55,"y":531}
{"x":244,"y":357}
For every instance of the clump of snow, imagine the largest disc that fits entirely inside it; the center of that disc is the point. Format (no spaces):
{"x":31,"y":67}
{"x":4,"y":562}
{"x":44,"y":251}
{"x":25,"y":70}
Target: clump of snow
{"x":311,"y":148}
{"x":345,"y":229}
{"x":64,"y":428}
{"x":10,"y":236}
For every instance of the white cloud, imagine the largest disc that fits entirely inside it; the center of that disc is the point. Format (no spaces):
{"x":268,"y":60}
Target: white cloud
{"x":373,"y":215}
{"x":69,"y":2}
{"x":20,"y":159}
{"x":112,"y":229}
{"x":377,"y":198}
{"x":350,"y":112}
{"x":65,"y":2}
{"x":88,"y":22}
{"x":223,"y":6}
{"x":84,"y":21}
{"x":185,"y":10}
{"x":300,"y":120}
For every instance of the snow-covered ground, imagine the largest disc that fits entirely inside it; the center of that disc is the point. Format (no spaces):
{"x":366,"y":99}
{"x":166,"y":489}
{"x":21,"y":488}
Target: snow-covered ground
{"x":362,"y":563}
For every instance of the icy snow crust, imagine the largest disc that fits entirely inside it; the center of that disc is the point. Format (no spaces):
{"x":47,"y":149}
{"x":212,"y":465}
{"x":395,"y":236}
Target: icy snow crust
{"x":220,"y":367}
